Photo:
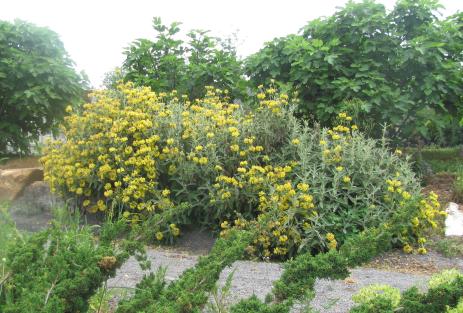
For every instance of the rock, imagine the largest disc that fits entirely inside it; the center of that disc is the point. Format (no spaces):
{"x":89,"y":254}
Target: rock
{"x":453,"y":221}
{"x":33,"y":209}
{"x":14,"y":181}
{"x":36,"y":198}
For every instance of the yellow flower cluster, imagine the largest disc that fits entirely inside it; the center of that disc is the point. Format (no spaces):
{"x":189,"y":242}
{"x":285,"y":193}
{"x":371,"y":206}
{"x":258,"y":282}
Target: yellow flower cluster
{"x":395,"y":186}
{"x":276,"y":239}
{"x":109,"y":155}
{"x":270,"y":99}
{"x":337,"y":139}
{"x":287,"y":205}
{"x":429,"y":212}
{"x":332,"y":243}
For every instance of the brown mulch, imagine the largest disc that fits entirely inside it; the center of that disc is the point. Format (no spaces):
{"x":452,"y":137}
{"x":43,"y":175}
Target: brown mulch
{"x":430,"y":263}
{"x":442,"y":185}
{"x":402,"y":263}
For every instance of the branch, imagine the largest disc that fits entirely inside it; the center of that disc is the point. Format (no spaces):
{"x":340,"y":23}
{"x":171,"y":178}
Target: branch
{"x":5,"y":278}
{"x":49,"y":290}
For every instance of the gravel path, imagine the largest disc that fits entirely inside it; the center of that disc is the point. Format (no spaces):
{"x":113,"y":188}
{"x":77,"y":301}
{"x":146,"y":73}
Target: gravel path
{"x":334,"y":296}
{"x":130,"y":273}
{"x":331,"y":296}
{"x":33,"y":212}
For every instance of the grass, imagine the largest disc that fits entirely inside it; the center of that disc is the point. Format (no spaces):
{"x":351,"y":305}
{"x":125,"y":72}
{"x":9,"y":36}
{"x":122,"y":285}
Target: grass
{"x":100,"y":302}
{"x":458,"y":186}
{"x":436,"y":153}
{"x":8,"y":235}
{"x":440,"y":159}
{"x":450,"y":247}
{"x":8,"y":231}
{"x":448,"y":166}
{"x":448,"y":160}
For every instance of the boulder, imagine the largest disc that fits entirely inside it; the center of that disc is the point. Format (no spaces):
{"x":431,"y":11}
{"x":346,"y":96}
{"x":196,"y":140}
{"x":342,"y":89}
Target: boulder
{"x":14,"y":181}
{"x":33,"y":209}
{"x":36,"y":197}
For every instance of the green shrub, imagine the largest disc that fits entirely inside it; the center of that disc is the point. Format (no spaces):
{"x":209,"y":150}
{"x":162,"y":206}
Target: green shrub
{"x":458,"y":308}
{"x":380,"y":304}
{"x":445,"y":290}
{"x":56,"y":271}
{"x":189,"y":292}
{"x":300,"y":274}
{"x":446,"y":276}
{"x":375,"y":292}
{"x":458,"y":186}
{"x":8,"y":232}
{"x":254,"y":305}
{"x":361,"y":248}
{"x":435,"y":300}
{"x":134,"y":153}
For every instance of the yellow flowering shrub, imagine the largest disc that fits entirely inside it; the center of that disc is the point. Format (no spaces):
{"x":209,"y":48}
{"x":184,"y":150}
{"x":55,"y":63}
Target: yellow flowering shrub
{"x":333,"y":182}
{"x":133,"y":153}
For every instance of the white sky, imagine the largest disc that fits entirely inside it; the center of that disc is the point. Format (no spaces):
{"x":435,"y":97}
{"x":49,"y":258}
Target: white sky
{"x":95,"y":32}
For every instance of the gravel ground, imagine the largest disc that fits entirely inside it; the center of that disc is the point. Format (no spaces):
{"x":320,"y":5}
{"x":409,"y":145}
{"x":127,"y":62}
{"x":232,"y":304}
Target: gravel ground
{"x":334,"y":296}
{"x":33,"y":212}
{"x":130,"y":273}
{"x":331,"y":296}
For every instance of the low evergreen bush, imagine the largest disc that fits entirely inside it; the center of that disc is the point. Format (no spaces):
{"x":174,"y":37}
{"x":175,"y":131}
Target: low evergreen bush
{"x":56,"y":271}
{"x":444,"y":295}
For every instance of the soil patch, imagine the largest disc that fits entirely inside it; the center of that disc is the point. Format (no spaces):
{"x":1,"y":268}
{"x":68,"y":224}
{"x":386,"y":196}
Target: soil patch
{"x":21,"y":162}
{"x":193,"y":241}
{"x":428,"y":264}
{"x":442,"y":185}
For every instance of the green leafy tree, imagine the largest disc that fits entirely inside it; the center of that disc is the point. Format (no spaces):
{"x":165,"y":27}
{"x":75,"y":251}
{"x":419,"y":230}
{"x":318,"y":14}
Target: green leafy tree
{"x":168,"y":63}
{"x":112,"y":78}
{"x":402,"y":68}
{"x":213,"y":62}
{"x":37,"y":82}
{"x":159,"y":64}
